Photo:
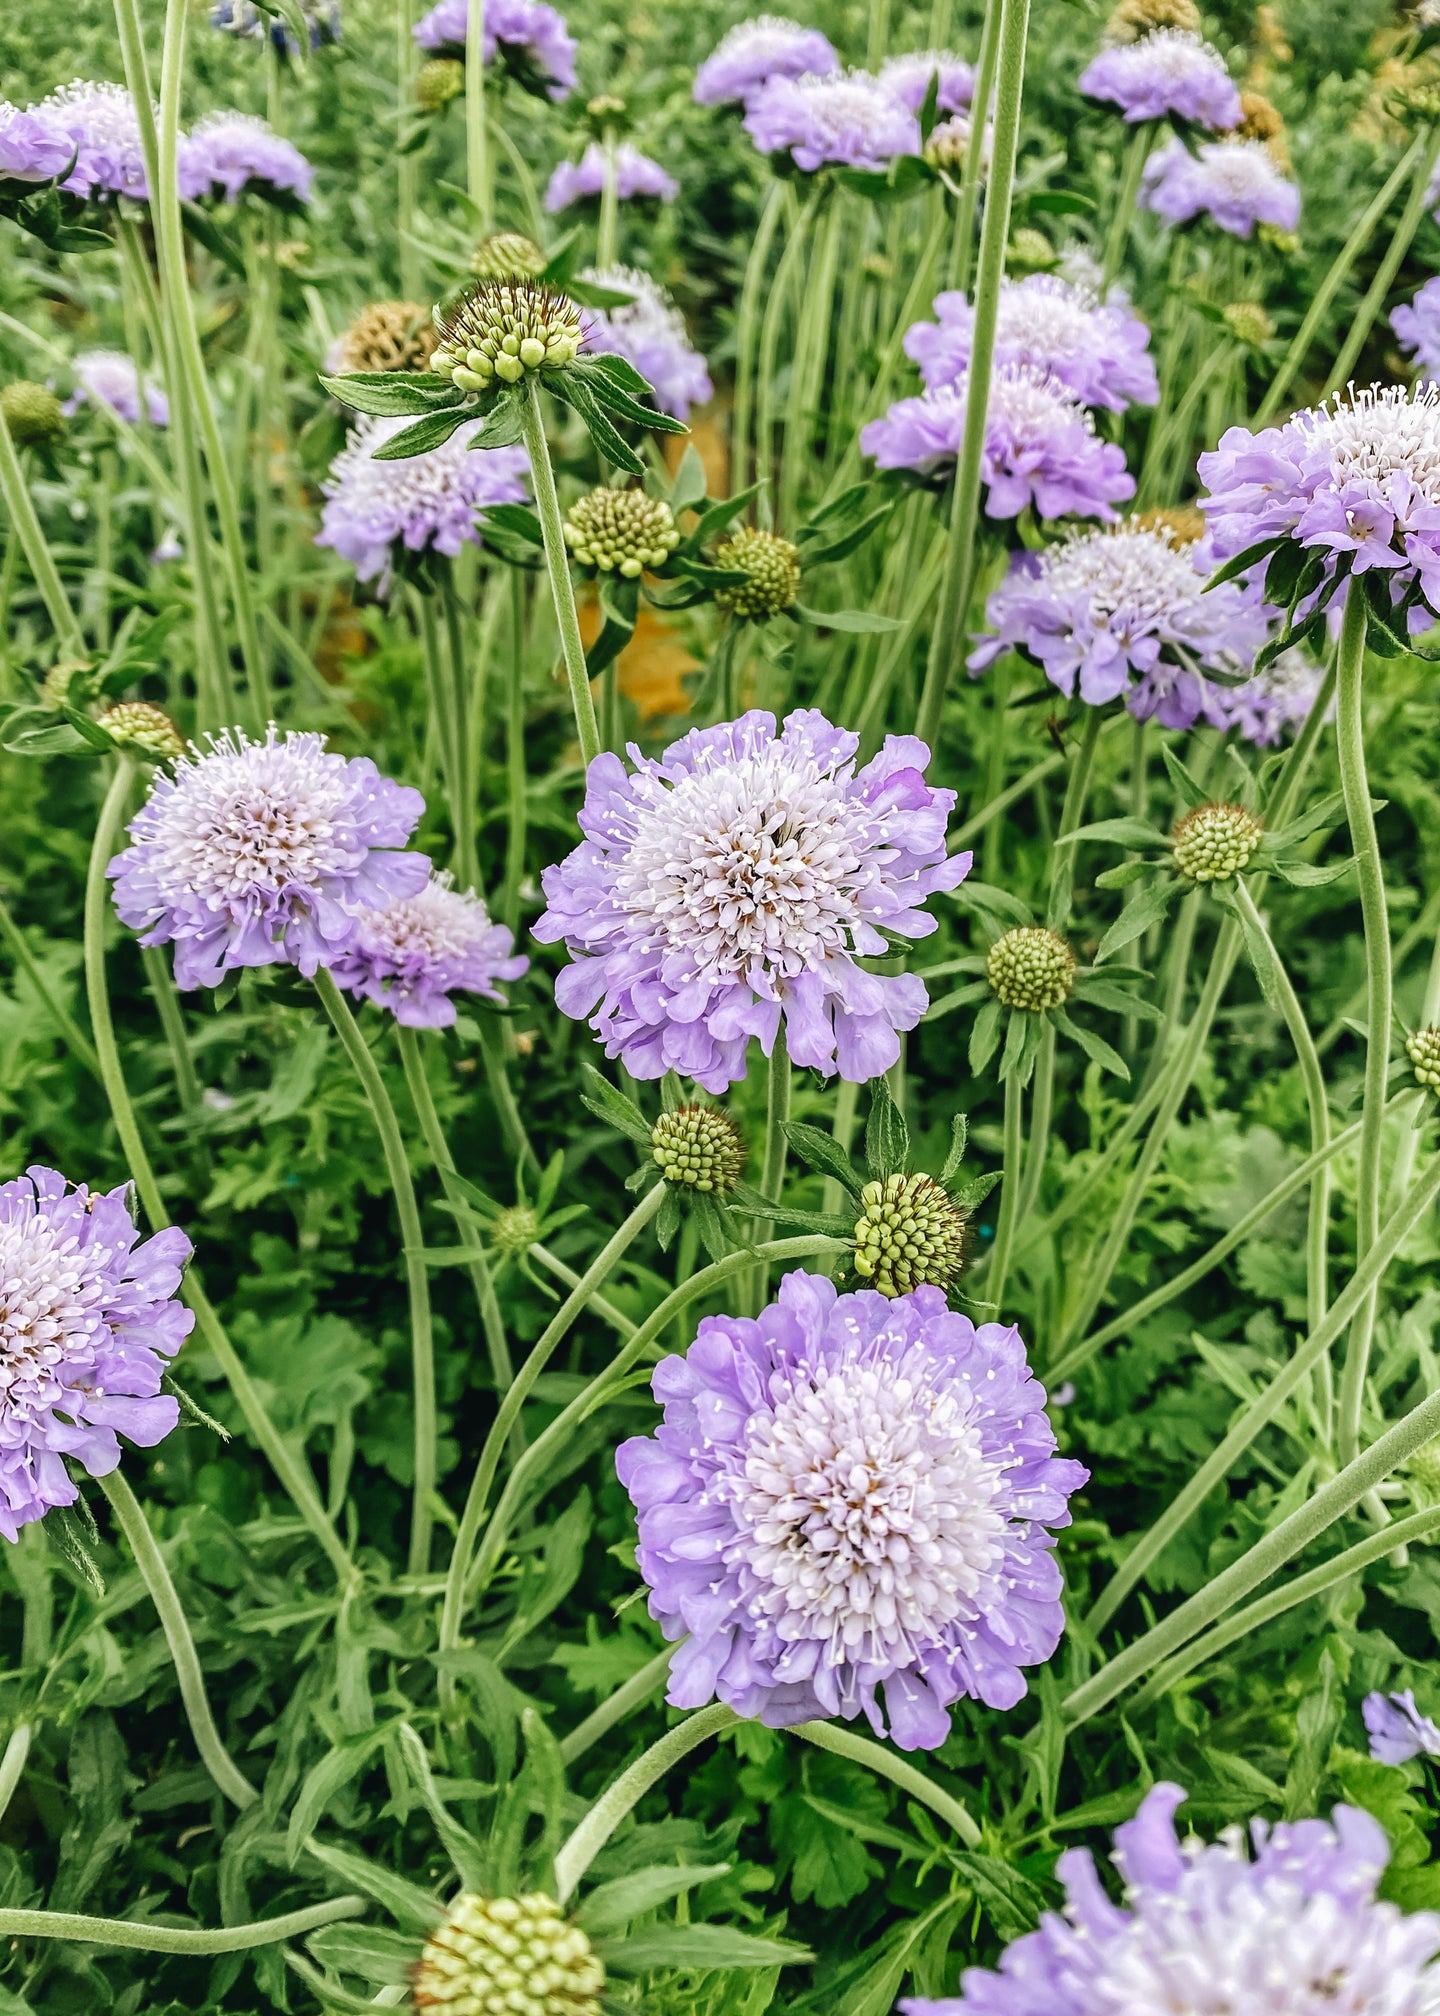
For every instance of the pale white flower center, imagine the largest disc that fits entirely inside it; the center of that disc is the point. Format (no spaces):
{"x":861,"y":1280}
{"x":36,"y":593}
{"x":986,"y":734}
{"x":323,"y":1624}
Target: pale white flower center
{"x":1031,"y":402}
{"x":1174,"y":56}
{"x":1043,"y":318}
{"x":1375,"y":433}
{"x":767,"y":39}
{"x":1241,"y":170}
{"x":252,"y":820}
{"x":437,"y":924}
{"x":650,"y":312}
{"x":412,"y":489}
{"x":1133,"y":569}
{"x":51,"y":1295}
{"x":841,"y":106}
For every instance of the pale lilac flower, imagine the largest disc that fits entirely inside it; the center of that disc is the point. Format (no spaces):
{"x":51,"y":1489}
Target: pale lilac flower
{"x":243,"y":19}
{"x":30,"y":148}
{"x":1101,"y":352}
{"x":412,"y":953}
{"x":845,"y":120}
{"x":755,"y":51}
{"x":421,"y":501}
{"x":1275,"y":701}
{"x":100,"y":121}
{"x":636,"y":176}
{"x":908,"y":77}
{"x":1235,"y":183}
{"x":87,"y":1317}
{"x":734,"y":882}
{"x":1417,"y":329}
{"x":169,"y":548}
{"x":110,"y":378}
{"x":649,"y":332}
{"x":1397,"y":1729}
{"x":1297,"y":1931}
{"x":849,"y":1496}
{"x":230,"y":151}
{"x":265,"y":853}
{"x":1041,"y":447}
{"x":534,"y":36}
{"x":1125,"y":613}
{"x":1168,"y":72}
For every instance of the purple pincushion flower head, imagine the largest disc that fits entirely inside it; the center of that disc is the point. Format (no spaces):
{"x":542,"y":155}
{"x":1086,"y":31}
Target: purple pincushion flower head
{"x":1293,"y":1930}
{"x":1397,"y":1729}
{"x":100,"y":123}
{"x":226,"y":152}
{"x":649,"y":332}
{"x":426,"y":501}
{"x":1125,"y":613}
{"x":412,"y":953}
{"x":87,"y":1318}
{"x":1235,"y":183}
{"x":30,"y":148}
{"x":908,"y":78}
{"x":755,"y":51}
{"x":636,"y":175}
{"x":845,"y":120}
{"x":531,"y":31}
{"x":263,"y":853}
{"x":1171,"y":72}
{"x":1100,"y":351}
{"x":1041,"y":447}
{"x":846,"y":1509}
{"x":1416,"y":324}
{"x":110,"y":378}
{"x":734,"y":882}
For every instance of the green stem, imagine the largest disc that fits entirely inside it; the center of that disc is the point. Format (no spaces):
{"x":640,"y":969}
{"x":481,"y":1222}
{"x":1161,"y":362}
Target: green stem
{"x":557,"y":563}
{"x":998,"y":1269}
{"x":747,"y":320}
{"x":25,"y":526}
{"x":172,"y":1021}
{"x":772,"y":1170}
{"x":607,"y":227}
{"x":493,"y":1054}
{"x":946,"y":648}
{"x":407,"y":166}
{"x":12,"y":1764}
{"x":1000,"y":683}
{"x":633,"y":1694}
{"x":1072,"y":812}
{"x":467,"y":868}
{"x":139,"y":1936}
{"x":477,"y":166}
{"x":1042,"y":1104}
{"x":1137,"y":153}
{"x":217,"y":1760}
{"x":1417,"y":203}
{"x":885,"y":1764}
{"x":807,"y":366}
{"x":417,"y":1277}
{"x":75,"y":1039}
{"x":971,"y":173}
{"x":1404,"y":1163}
{"x":630,"y":1788}
{"x":516,"y":772}
{"x":775,"y":310}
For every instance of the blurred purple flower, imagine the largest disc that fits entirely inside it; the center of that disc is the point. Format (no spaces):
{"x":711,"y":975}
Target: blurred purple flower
{"x":1276,"y":700}
{"x":908,"y":78}
{"x":427,"y":500}
{"x":1397,"y":1729}
{"x":845,"y":120}
{"x":110,"y":378}
{"x":1102,"y":353}
{"x":87,"y":1318}
{"x":100,"y":121}
{"x":649,"y":332}
{"x":1167,"y":72}
{"x":534,"y":32}
{"x":1126,"y":614}
{"x":1041,"y":447}
{"x":30,"y":148}
{"x":229,"y":151}
{"x":412,"y":953}
{"x":1417,"y":328}
{"x":1235,"y":183}
{"x":1204,"y":1929}
{"x":851,"y":1493}
{"x":263,"y":853}
{"x":636,"y":175}
{"x":755,"y":51}
{"x":733,"y":883}
{"x":243,"y":19}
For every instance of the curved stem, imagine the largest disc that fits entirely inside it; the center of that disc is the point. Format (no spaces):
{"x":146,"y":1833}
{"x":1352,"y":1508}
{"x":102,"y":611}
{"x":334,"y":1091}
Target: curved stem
{"x":630,"y":1788}
{"x":25,"y":527}
{"x":172,"y":1020}
{"x":141,"y":1937}
{"x":217,"y":1760}
{"x":746,"y":330}
{"x":885,"y":1764}
{"x":557,"y":563}
{"x":477,"y":166}
{"x":637,"y":1689}
{"x":12,"y":1764}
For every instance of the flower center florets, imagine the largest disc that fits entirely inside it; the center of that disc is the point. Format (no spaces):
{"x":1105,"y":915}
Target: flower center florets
{"x":623,"y":531}
{"x":1031,"y":968}
{"x":698,"y":1149}
{"x":50,"y":1298}
{"x":909,"y":1235}
{"x":1423,"y":1050}
{"x":508,"y":1956}
{"x":1142,"y":570}
{"x":1214,"y":842}
{"x":502,"y":329}
{"x":137,"y":724}
{"x":1134,"y":18}
{"x":436,"y":925}
{"x":1381,"y":431}
{"x":771,"y":566}
{"x":387,"y":336}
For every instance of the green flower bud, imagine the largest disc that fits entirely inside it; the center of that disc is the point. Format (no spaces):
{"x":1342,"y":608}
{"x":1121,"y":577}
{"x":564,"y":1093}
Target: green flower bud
{"x":136,"y":724}
{"x":911,"y":1234}
{"x":55,"y":688}
{"x":32,"y":413}
{"x":507,"y":1956}
{"x":515,"y":1230}
{"x":1423,"y":1050}
{"x":1031,"y":249}
{"x":498,"y":330}
{"x":620,"y":531}
{"x":698,"y":1149}
{"x":387,"y":336}
{"x":1249,"y":321}
{"x":437,"y":82}
{"x":772,"y":569}
{"x":507,"y":255}
{"x":949,"y":145}
{"x":1214,"y":842}
{"x":1031,"y":968}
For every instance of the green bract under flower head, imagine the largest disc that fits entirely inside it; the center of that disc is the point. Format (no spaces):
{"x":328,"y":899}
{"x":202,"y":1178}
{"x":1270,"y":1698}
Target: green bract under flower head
{"x":771,"y":566}
{"x":507,"y":255}
{"x":437,"y":82}
{"x":1031,"y":968}
{"x":507,"y":1956}
{"x":136,"y":724}
{"x":911,"y":1235}
{"x":1423,"y":1050}
{"x":1249,"y":321}
{"x":32,"y":413}
{"x":623,"y":531}
{"x":698,"y":1149}
{"x":500,"y":330}
{"x":515,"y":1229}
{"x":1214,"y":842}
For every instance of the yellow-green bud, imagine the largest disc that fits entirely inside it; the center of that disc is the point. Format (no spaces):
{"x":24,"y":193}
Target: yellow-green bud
{"x":437,"y":82}
{"x":605,"y":114}
{"x":698,"y":1149}
{"x":55,"y":688}
{"x":1249,"y":321}
{"x":515,"y":1230}
{"x":507,"y":1956}
{"x":32,"y":413}
{"x":136,"y":724}
{"x":1423,"y":1050}
{"x":387,"y":336}
{"x":1286,"y":243}
{"x":911,"y":1234}
{"x":949,"y":145}
{"x":507,"y":255}
{"x":500,"y":329}
{"x":620,"y":531}
{"x":771,"y":566}
{"x":1031,"y":968}
{"x":1214,"y":842}
{"x":1031,"y":249}
{"x":1134,"y":18}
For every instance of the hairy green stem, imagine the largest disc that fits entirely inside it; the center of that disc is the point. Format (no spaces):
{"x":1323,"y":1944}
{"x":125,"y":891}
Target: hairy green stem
{"x":621,"y":1798}
{"x":516,"y":773}
{"x":1042,"y":1104}
{"x":25,"y":526}
{"x":632,"y":1694}
{"x":1077,"y":790}
{"x":463,"y":706}
{"x":477,"y":163}
{"x":494,"y":1054}
{"x":772,"y":1174}
{"x":140,"y":1936}
{"x":967,"y":209}
{"x":557,"y":562}
{"x":407,"y":166}
{"x":12,"y":1764}
{"x":886,"y":1764}
{"x":607,"y":224}
{"x":998,"y":1268}
{"x":172,"y":1020}
{"x":1137,"y":153}
{"x":807,"y":366}
{"x":747,"y":320}
{"x":775,"y":309}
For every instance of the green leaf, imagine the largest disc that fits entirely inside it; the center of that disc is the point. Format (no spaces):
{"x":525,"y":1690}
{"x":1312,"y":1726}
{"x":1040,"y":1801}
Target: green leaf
{"x":72,"y":1533}
{"x":1095,"y":1047}
{"x":1124,"y":875}
{"x":713,"y":1222}
{"x":887,"y":1138}
{"x":1312,"y":875}
{"x":378,"y":1955}
{"x":697,"y":1946}
{"x":406,"y":1902}
{"x":1328,"y":812}
{"x":393,"y":393}
{"x":606,"y":440}
{"x":845,"y":544}
{"x":1243,"y":562}
{"x":1189,"y":789}
{"x":1010,"y":1901}
{"x":431,"y":432}
{"x":619,"y":387}
{"x":718,"y":515}
{"x":324,"y":1779}
{"x":614,"y":1904}
{"x":503,"y":425}
{"x":619,"y":607}
{"x":959,"y":1139}
{"x":1119,"y":1000}
{"x":59,"y":739}
{"x":985,"y":896}
{"x":823,"y":1152}
{"x":1137,"y":917}
{"x":609,"y":1104}
{"x":688,"y":493}
{"x":984,"y":1036}
{"x":866,"y":620}
{"x":1128,"y":832}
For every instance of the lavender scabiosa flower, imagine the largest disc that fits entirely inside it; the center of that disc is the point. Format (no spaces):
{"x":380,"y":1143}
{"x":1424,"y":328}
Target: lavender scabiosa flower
{"x":849,"y":1497}
{"x":1397,"y":1729}
{"x":423,"y":501}
{"x":733,"y":883}
{"x":412,"y":953}
{"x":244,"y":20}
{"x":1169,"y":72}
{"x":636,"y":176}
{"x":1100,"y":351}
{"x":1206,"y":1928}
{"x":1235,"y":183}
{"x":228,"y":152}
{"x":755,"y":51}
{"x":99,"y":122}
{"x":534,"y":36}
{"x":1417,"y":329}
{"x":1276,"y":700}
{"x":908,"y":77}
{"x":649,"y":332}
{"x":110,"y":378}
{"x":262,"y":853}
{"x":1125,"y":613}
{"x":30,"y":148}
{"x":87,"y":1318}
{"x":1041,"y":447}
{"x":845,"y":120}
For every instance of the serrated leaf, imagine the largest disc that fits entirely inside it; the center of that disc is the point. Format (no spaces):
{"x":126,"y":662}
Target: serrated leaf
{"x":421,"y":436}
{"x":392,"y":394}
{"x":822,"y":1152}
{"x":887,"y":1138}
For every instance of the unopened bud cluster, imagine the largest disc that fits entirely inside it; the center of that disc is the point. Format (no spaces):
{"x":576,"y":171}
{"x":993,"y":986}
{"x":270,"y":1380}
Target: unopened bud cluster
{"x":1249,"y":321}
{"x":387,"y":336}
{"x":136,"y":724}
{"x":1031,"y":968}
{"x":699,"y":1149}
{"x":507,"y":255}
{"x":620,"y":531}
{"x":1031,"y":249}
{"x":1214,"y":842}
{"x":507,"y":1956}
{"x":437,"y":82}
{"x":1134,"y":18}
{"x":950,"y":142}
{"x":55,"y":687}
{"x":502,"y":329}
{"x":32,"y":413}
{"x":515,"y":1230}
{"x":1423,"y":1050}
{"x":771,"y":566}
{"x":910,"y":1235}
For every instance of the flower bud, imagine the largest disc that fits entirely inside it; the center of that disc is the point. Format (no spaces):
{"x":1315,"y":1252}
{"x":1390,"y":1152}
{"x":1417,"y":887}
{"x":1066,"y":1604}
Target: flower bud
{"x":1249,"y":321}
{"x":437,"y":82}
{"x":507,"y":255}
{"x":1031,"y":249}
{"x":387,"y":336}
{"x":507,"y":1956}
{"x":949,"y":144}
{"x":32,"y":413}
{"x":515,"y":1230}
{"x":771,"y":566}
{"x":136,"y":724}
{"x":484,"y":332}
{"x":1214,"y":842}
{"x":698,"y":1149}
{"x":55,"y":687}
{"x":1031,"y":968}
{"x":620,"y":531}
{"x":911,"y":1234}
{"x":1423,"y":1050}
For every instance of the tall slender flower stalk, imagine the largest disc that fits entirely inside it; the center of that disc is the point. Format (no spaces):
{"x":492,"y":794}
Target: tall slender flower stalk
{"x":1137,"y":153}
{"x":407,"y":165}
{"x":747,"y":328}
{"x":26,"y":532}
{"x":557,"y":563}
{"x":1378,"y":292}
{"x":962,"y":243}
